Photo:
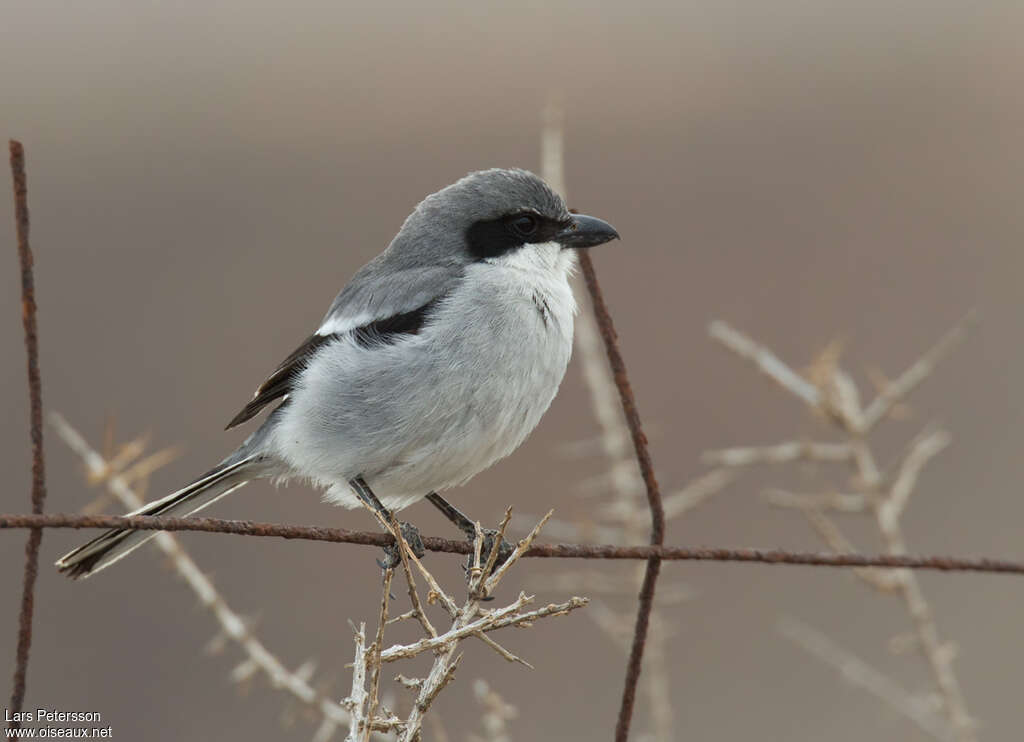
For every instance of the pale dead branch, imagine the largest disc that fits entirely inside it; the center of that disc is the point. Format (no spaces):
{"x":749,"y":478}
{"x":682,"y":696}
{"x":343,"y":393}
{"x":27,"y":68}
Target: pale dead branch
{"x":780,"y":453}
{"x":232,"y":625}
{"x":920,"y":370}
{"x":468,"y":620}
{"x":861,"y":675}
{"x":835,"y":394}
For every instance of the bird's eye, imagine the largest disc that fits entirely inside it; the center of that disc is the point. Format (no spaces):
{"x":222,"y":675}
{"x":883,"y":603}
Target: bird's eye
{"x":524,"y":225}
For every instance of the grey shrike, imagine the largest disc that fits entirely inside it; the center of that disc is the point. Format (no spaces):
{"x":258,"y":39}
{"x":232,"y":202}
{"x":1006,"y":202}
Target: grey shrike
{"x":437,"y":359}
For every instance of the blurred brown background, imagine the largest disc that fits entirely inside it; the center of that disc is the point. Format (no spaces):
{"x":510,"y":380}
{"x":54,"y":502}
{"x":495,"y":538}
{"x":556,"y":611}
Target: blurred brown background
{"x":203,"y":180}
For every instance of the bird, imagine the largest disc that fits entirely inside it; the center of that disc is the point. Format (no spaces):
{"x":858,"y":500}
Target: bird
{"x":437,"y":359}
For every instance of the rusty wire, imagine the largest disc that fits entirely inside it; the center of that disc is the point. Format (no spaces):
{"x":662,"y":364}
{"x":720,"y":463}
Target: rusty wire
{"x":550,"y":551}
{"x":28,"y":316}
{"x":645,"y":601}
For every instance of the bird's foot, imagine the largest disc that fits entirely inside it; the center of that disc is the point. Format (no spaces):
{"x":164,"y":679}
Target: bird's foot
{"x":392,"y":555}
{"x":505,"y":550}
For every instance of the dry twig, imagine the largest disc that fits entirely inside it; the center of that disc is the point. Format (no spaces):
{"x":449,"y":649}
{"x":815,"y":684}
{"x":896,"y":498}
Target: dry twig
{"x":835,"y":396}
{"x":858,"y":673}
{"x":232,"y":625}
{"x":497,"y":713}
{"x":467,"y":620}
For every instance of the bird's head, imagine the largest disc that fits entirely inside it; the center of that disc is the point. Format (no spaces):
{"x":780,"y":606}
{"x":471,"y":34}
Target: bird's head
{"x":493,"y":215}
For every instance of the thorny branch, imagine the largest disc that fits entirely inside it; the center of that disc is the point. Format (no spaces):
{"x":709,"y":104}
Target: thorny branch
{"x":497,"y":713}
{"x":834,"y":394}
{"x":28,"y":315}
{"x":857,"y":672}
{"x":232,"y":625}
{"x":356,"y":700}
{"x":468,"y":620}
{"x":918,"y":372}
{"x":779,"y":453}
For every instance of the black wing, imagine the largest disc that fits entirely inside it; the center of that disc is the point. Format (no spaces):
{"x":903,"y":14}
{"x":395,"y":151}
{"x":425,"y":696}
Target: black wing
{"x":382,"y":331}
{"x":387,"y":330}
{"x":279,"y":383}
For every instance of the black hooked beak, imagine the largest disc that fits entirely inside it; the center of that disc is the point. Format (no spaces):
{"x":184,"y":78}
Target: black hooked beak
{"x":586,"y":231}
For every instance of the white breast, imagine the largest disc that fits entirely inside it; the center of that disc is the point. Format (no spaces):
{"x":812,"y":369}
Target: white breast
{"x":511,"y":329}
{"x":450,"y":401}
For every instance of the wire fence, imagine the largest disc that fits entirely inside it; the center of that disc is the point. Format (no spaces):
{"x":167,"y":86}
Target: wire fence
{"x":549,"y":551}
{"x":654,"y":553}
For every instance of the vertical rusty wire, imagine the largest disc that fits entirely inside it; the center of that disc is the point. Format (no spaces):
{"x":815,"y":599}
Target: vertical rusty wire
{"x":28,"y":316}
{"x":643,"y":455}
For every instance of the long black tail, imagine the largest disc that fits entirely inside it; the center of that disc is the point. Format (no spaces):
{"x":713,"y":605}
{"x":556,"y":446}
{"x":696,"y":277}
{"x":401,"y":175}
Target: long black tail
{"x":104,"y":550}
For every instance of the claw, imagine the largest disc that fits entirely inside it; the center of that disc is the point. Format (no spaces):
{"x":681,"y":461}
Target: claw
{"x":504,"y":551}
{"x":393,"y":557}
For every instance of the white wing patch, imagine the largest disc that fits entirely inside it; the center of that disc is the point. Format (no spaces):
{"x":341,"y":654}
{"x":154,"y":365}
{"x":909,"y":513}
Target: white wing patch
{"x":341,"y":325}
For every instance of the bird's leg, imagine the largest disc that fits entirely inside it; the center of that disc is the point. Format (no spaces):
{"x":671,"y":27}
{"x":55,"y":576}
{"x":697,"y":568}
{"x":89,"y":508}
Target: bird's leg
{"x":461,"y":521}
{"x":410,"y":533}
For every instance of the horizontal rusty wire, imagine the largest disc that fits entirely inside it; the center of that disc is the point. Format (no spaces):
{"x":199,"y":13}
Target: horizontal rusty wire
{"x":551,"y":551}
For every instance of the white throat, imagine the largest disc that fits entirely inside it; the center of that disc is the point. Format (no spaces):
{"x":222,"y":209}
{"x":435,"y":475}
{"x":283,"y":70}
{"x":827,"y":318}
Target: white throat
{"x":542,"y":262}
